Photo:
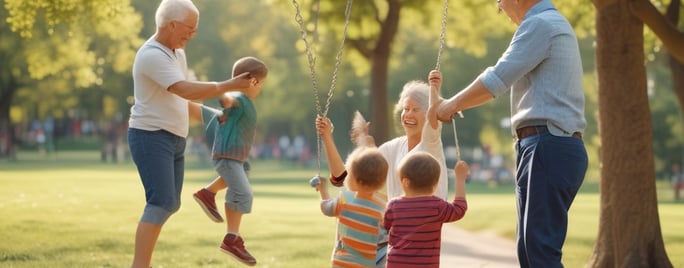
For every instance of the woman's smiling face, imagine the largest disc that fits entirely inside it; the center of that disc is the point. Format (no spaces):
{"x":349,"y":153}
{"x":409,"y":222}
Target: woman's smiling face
{"x":412,"y":117}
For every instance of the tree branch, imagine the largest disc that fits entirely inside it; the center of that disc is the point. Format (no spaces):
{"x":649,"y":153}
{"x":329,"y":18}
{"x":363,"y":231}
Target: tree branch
{"x":389,"y":26}
{"x":672,"y":38}
{"x":377,"y":13}
{"x":361,"y":45}
{"x":672,"y":13}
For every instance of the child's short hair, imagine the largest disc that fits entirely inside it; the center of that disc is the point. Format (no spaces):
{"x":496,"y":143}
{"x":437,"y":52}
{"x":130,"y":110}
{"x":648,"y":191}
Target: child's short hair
{"x":254,"y":66}
{"x":421,"y":169}
{"x":369,"y":167}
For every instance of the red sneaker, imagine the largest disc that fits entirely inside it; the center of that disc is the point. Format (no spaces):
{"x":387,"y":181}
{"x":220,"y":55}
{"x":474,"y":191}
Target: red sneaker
{"x":205,"y":199}
{"x":234,"y":245}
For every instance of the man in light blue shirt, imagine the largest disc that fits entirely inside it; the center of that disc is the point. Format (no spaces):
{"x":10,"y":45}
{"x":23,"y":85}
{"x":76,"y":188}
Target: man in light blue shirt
{"x":542,"y":69}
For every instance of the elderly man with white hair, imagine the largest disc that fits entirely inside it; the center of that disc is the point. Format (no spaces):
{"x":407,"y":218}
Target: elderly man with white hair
{"x":159,"y":119}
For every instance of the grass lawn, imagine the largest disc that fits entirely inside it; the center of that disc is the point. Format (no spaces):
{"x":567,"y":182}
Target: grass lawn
{"x":74,"y":211}
{"x":493,"y":210}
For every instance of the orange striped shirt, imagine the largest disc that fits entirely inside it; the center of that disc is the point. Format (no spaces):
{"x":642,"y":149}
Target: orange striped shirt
{"x":359,"y":219}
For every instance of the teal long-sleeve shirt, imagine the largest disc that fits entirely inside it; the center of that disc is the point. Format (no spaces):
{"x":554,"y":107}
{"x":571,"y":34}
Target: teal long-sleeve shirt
{"x":232,"y":139}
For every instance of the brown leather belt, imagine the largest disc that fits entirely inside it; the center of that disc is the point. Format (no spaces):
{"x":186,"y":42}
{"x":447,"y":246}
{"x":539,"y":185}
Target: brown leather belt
{"x":525,"y":132}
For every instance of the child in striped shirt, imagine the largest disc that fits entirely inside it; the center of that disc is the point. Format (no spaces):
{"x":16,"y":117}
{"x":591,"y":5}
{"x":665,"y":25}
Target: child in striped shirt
{"x":358,"y":209}
{"x":415,"y":219}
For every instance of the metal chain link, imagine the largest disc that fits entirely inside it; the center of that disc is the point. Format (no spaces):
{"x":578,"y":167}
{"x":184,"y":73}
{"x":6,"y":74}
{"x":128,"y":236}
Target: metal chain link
{"x":442,"y":40}
{"x":312,"y":59}
{"x":458,"y":151}
{"x":309,"y":55}
{"x":312,"y":64}
{"x":442,"y":35}
{"x":338,"y":57}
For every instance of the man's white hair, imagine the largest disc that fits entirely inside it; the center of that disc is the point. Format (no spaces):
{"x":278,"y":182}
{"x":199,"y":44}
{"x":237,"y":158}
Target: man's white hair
{"x":170,"y":10}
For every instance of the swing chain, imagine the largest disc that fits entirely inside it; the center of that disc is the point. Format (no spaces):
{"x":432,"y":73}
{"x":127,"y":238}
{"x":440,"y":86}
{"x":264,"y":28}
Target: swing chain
{"x":312,"y":59}
{"x":442,"y":41}
{"x":338,"y":57}
{"x":309,"y":55}
{"x":458,"y":151}
{"x":442,"y":35}
{"x":312,"y":68}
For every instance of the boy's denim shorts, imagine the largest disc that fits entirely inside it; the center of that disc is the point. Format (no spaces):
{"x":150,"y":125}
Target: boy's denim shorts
{"x":239,"y":194}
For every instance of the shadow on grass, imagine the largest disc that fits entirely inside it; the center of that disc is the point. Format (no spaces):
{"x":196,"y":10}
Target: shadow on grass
{"x":17,"y":257}
{"x":272,"y":194}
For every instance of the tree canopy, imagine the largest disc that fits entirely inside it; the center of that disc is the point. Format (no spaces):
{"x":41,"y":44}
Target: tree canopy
{"x":99,"y":39}
{"x":56,"y":48}
{"x":66,"y":55}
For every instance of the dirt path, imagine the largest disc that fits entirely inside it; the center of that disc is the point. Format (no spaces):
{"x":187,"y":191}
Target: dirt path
{"x":461,"y":248}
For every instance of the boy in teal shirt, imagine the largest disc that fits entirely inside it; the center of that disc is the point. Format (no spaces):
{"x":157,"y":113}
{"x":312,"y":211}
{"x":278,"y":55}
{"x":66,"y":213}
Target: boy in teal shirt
{"x":230,"y":132}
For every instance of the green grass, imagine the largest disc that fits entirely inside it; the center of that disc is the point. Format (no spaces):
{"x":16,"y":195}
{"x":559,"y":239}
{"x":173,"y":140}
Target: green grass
{"x":70,"y":210}
{"x":493,"y":209}
{"x":79,"y":213}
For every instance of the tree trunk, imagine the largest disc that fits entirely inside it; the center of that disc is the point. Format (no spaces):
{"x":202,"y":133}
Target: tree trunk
{"x":677,"y":69}
{"x":629,"y":227}
{"x":8,"y":88}
{"x":676,"y":66}
{"x":380,"y":120}
{"x":6,"y":96}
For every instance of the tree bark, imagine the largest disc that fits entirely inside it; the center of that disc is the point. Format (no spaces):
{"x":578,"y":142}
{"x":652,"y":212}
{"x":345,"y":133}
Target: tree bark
{"x":8,"y":88}
{"x":677,"y":69}
{"x":666,"y":32}
{"x":673,"y":39}
{"x":629,"y":226}
{"x":379,"y":105}
{"x":676,"y":66}
{"x":6,"y":96}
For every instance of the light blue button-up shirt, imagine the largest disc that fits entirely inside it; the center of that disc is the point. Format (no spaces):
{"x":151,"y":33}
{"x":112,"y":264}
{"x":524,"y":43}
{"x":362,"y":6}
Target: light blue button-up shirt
{"x":543,"y":69}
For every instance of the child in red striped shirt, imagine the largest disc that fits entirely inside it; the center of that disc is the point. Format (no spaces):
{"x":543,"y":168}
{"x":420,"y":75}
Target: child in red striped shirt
{"x":415,"y":219}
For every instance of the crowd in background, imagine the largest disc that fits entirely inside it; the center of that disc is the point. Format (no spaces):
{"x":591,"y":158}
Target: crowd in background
{"x":41,"y":135}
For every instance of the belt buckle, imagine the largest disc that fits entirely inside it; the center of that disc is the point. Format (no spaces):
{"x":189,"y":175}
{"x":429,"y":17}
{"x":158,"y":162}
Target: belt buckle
{"x":577,"y":135}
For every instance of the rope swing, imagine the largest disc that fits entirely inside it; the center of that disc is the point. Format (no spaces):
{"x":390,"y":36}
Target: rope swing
{"x":433,"y":91}
{"x":321,"y":111}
